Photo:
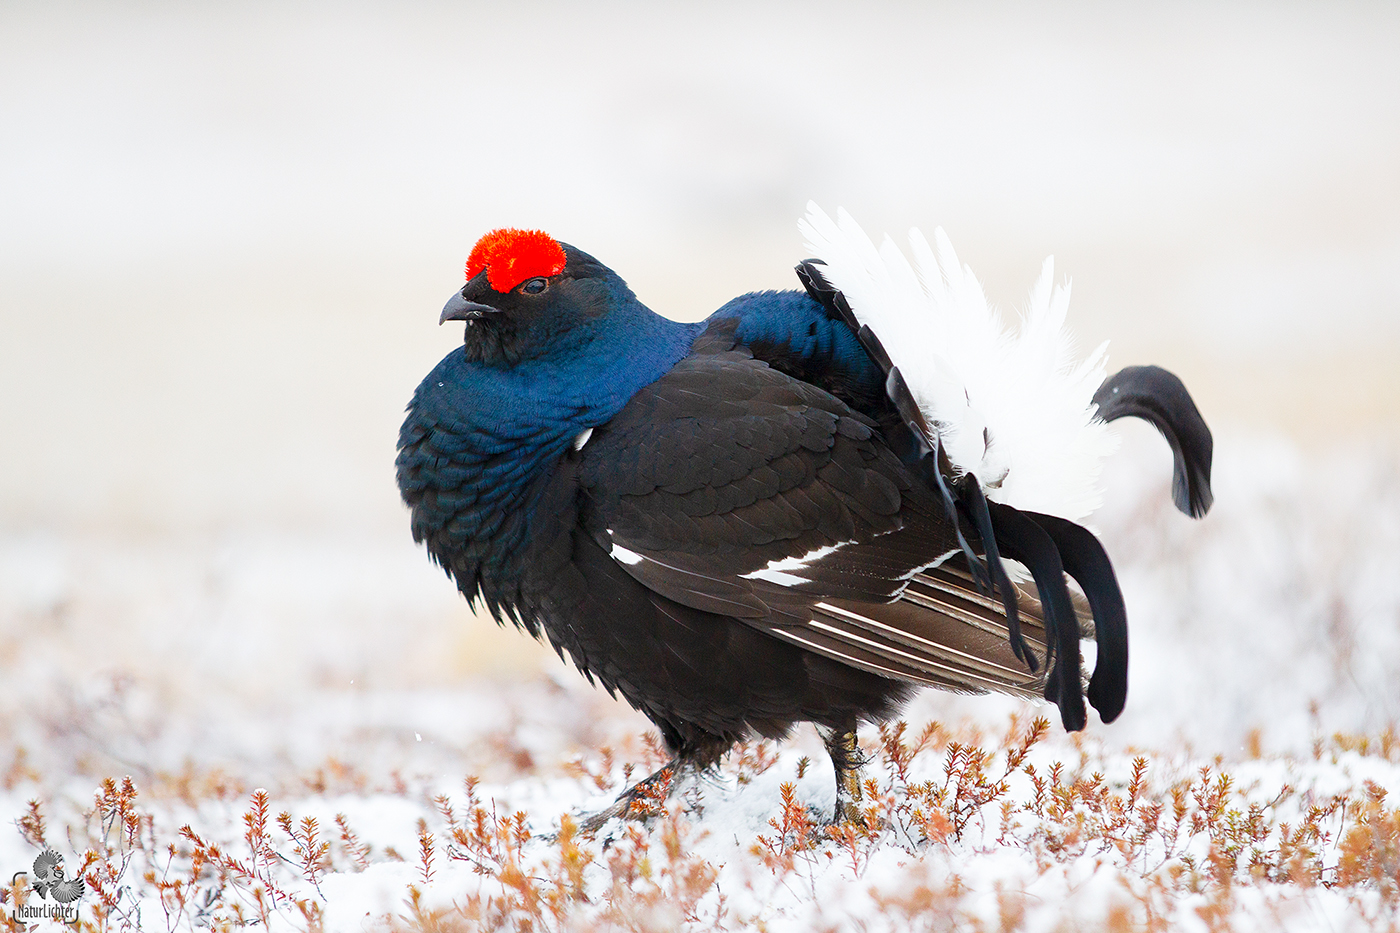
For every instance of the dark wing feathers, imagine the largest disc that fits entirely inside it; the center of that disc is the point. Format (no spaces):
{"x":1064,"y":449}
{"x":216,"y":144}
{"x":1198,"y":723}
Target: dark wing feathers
{"x":772,"y":469}
{"x":731,"y":488}
{"x":951,"y":652}
{"x":703,"y":678}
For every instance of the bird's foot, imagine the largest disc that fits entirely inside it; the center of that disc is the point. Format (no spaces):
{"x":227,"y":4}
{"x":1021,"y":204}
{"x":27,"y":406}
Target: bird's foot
{"x":642,"y":801}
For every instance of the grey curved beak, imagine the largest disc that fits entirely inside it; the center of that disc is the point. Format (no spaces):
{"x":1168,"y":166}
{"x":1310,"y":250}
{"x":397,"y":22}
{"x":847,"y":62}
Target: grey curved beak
{"x":460,"y":309}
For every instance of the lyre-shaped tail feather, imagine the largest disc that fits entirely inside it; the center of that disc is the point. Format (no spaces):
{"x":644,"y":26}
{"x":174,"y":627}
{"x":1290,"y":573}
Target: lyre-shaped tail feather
{"x":1157,"y":396}
{"x":1009,"y":430}
{"x":1085,"y":560}
{"x":1050,"y":548}
{"x":1023,"y":540}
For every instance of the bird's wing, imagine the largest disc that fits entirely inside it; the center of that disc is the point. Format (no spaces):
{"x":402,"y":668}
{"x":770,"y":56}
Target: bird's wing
{"x":68,"y":891}
{"x":732,"y":488}
{"x":44,"y":864}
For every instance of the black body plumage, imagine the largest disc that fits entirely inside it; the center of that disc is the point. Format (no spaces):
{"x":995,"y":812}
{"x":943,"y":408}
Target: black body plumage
{"x":743,"y":524}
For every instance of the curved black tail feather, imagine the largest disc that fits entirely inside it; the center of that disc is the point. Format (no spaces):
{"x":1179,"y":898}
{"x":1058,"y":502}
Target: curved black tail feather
{"x":1021,"y":538}
{"x":1155,"y":395}
{"x":972,"y":499}
{"x":1050,"y":546}
{"x":1086,"y":561}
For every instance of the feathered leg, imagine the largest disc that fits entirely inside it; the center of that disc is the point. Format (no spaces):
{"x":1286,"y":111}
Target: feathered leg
{"x":846,"y":761}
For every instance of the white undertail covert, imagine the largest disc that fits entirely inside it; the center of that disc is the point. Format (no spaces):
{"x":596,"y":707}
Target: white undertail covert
{"x":1013,"y":407}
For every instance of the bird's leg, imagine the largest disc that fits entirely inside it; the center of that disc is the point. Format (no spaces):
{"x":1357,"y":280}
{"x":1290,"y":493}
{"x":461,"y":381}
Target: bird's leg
{"x":846,"y":761}
{"x":643,"y":799}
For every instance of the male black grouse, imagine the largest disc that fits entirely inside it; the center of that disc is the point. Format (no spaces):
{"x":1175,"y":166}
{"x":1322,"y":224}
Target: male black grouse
{"x":799,"y":509}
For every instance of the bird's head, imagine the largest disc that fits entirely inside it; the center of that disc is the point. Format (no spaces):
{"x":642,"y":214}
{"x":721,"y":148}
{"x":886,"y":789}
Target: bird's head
{"x":528,"y":295}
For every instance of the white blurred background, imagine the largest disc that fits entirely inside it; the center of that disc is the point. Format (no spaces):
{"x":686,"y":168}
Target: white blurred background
{"x":226,"y":231}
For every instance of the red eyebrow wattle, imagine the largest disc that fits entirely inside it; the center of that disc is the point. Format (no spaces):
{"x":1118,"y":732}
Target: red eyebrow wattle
{"x":510,"y":256}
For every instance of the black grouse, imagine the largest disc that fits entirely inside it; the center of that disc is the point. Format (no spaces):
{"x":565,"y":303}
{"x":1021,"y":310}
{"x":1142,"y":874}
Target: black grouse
{"x":798,"y":510}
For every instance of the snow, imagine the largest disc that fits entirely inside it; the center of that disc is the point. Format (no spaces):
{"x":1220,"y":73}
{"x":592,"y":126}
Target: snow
{"x":329,"y":687}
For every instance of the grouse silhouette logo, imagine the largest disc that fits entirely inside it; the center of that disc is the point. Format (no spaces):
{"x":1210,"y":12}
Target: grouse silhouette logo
{"x":50,"y":881}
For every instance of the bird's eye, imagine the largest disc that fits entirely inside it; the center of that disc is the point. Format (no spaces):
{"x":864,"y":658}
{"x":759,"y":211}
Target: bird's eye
{"x":534,"y":286}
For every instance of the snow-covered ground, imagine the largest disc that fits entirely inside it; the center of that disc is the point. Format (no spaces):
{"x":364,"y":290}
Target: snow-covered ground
{"x":344,"y":679}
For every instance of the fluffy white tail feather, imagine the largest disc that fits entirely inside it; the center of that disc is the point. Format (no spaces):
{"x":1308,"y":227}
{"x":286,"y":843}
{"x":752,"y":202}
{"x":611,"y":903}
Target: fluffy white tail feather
{"x":1014,"y":408}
